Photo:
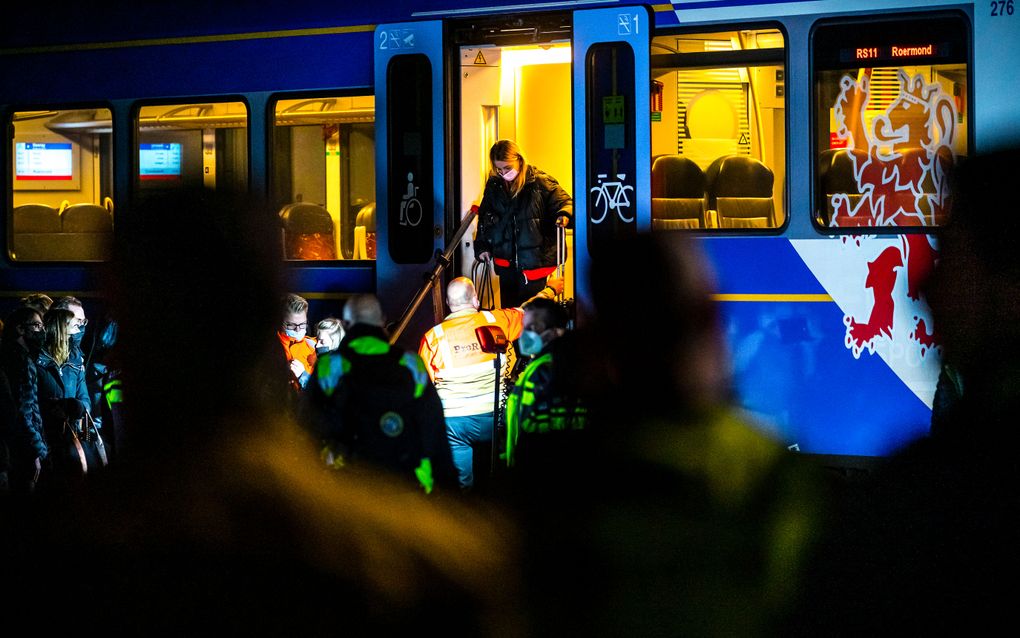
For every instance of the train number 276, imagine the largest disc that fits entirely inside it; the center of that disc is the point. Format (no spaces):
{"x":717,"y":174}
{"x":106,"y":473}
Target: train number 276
{"x":1002,"y":8}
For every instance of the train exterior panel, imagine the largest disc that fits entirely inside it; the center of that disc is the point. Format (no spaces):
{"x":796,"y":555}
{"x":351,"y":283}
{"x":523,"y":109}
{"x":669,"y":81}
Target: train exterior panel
{"x":831,"y":340}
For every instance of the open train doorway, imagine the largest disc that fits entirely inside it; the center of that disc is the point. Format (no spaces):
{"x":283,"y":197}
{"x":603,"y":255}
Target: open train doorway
{"x":520,"y":92}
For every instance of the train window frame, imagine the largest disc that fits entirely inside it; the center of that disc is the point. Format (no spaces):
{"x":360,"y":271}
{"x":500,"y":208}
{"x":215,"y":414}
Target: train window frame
{"x":136,"y":109}
{"x":7,"y":164}
{"x":271,"y":162}
{"x":721,"y":27}
{"x":603,"y":232}
{"x":813,"y":131}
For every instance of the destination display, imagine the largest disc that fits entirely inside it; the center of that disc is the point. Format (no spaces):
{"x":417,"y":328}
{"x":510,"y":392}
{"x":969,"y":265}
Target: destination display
{"x":895,"y":52}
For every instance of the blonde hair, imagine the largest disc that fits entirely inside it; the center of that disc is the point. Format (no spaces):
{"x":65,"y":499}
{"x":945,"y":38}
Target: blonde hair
{"x":330,"y":326}
{"x":508,"y":151}
{"x":293,"y":304}
{"x":58,"y":338}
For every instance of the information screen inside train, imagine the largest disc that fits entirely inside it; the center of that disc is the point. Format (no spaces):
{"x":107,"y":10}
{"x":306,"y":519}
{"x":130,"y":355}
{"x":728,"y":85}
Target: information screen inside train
{"x":43,"y":161}
{"x":159,"y":161}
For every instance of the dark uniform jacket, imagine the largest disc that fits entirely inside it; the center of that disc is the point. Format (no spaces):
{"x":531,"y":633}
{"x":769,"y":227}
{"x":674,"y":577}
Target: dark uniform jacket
{"x":375,"y":403}
{"x":522,"y":229}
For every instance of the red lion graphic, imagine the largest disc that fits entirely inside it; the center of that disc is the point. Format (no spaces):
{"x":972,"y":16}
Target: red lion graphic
{"x":901,"y":166}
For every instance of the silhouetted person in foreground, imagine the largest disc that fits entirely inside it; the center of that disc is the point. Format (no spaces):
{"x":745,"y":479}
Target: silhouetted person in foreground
{"x":217,"y":519}
{"x":673,"y":516}
{"x":931,"y":548}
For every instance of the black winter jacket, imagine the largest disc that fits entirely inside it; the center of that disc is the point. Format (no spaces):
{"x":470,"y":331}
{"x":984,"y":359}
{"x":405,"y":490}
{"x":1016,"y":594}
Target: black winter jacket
{"x":522,"y":229}
{"x":26,"y":440}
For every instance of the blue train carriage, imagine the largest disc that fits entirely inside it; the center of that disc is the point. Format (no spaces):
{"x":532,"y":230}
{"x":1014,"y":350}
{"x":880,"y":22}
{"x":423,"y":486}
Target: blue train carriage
{"x":103,"y":106}
{"x":819,"y":218}
{"x":367,"y":128}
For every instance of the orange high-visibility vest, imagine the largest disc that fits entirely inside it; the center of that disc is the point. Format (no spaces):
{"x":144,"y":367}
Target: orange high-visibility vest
{"x":462,"y":373}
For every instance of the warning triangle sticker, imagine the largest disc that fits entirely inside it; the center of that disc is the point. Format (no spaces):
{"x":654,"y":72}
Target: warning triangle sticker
{"x":479,"y":59}
{"x":743,"y":139}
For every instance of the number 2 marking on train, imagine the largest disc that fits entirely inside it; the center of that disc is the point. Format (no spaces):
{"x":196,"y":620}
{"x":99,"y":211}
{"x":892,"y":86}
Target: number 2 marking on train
{"x":1002,"y":8}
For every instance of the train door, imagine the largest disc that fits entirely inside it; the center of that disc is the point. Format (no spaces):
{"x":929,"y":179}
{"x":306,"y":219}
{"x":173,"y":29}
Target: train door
{"x":410,"y":163}
{"x":611,"y":80}
{"x":514,"y":83}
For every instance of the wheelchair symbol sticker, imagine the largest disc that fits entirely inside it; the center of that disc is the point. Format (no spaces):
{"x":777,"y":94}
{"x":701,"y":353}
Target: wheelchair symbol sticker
{"x":410,"y":207}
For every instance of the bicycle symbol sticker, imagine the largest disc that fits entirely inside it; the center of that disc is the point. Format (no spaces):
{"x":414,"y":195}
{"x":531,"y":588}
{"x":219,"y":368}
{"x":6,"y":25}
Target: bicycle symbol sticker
{"x":612,"y":196}
{"x":410,"y":207}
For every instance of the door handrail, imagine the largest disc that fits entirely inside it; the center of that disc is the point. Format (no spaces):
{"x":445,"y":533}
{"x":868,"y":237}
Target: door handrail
{"x":432,"y":277}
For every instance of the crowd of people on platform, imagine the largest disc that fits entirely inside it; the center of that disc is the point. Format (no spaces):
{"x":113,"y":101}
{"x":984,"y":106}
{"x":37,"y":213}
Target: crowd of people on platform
{"x":339,"y":482}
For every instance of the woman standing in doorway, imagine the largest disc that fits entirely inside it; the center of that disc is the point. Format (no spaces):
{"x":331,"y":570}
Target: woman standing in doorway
{"x":517,"y":220}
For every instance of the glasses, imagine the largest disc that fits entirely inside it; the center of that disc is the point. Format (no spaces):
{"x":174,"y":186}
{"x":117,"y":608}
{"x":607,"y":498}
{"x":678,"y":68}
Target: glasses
{"x":81,"y":323}
{"x":36,"y":326}
{"x":503,"y":170}
{"x":295,"y":326}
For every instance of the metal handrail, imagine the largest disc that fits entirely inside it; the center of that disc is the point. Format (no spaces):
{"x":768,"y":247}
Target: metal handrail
{"x":432,"y":277}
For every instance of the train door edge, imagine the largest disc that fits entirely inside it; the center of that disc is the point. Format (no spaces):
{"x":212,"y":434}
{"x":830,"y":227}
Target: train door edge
{"x":410,"y":164}
{"x":612,"y":132}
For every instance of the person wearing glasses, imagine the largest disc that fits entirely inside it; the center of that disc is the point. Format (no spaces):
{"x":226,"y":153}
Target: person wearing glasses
{"x":26,"y":443}
{"x":521,"y":208}
{"x":72,"y":305}
{"x":297,"y":346}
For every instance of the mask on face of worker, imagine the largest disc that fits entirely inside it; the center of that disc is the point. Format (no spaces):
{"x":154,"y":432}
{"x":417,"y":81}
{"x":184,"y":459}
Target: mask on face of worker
{"x":530,"y":343}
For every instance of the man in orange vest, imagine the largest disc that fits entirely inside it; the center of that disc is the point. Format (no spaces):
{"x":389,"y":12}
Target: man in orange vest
{"x":462,"y":373}
{"x":298,"y":348}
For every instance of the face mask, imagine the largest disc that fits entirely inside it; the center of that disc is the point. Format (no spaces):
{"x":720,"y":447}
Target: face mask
{"x":294,"y":334}
{"x":321,"y":349}
{"x":510,"y":175}
{"x":531,"y":343}
{"x":34,"y":340}
{"x":76,"y":338}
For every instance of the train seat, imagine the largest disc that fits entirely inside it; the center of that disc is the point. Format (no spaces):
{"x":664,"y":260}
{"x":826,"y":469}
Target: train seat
{"x":364,"y":232}
{"x":836,"y":175}
{"x":740,"y":192}
{"x":35,"y":230}
{"x":88,"y":233}
{"x":678,"y":193}
{"x":307,"y":232}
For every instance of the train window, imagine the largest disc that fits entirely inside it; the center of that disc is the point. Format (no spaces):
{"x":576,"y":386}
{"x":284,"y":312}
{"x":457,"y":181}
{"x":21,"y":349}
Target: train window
{"x":196,"y":144}
{"x":890,"y":120}
{"x":61,"y":185}
{"x":323,"y":177}
{"x":718,"y":130}
{"x":611,"y":151}
{"x":409,"y":159}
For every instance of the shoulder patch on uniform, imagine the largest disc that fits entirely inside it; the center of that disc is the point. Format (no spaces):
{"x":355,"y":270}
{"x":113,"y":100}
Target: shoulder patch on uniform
{"x":420,"y":375}
{"x":329,"y":369}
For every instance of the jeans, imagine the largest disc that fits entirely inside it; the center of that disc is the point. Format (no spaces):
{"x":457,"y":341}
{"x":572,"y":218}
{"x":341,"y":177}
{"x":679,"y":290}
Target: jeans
{"x":463,"y":432}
